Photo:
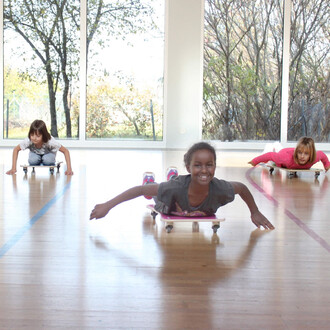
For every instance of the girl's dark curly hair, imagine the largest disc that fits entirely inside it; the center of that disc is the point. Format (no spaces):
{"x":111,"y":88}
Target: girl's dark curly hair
{"x":198,"y":146}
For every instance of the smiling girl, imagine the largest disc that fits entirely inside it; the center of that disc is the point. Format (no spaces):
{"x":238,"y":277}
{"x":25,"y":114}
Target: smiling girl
{"x":304,"y":156}
{"x":198,"y":193}
{"x":43,"y":148}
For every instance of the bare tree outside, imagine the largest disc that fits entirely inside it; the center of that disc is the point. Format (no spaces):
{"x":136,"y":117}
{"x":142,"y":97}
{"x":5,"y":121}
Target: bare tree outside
{"x":126,"y":69}
{"x":309,"y":112}
{"x":243,"y":63}
{"x":49,"y":35}
{"x":47,"y":45}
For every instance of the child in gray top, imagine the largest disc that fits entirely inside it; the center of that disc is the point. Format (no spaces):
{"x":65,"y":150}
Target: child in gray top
{"x":197,"y":192}
{"x":172,"y":197}
{"x":43,"y":148}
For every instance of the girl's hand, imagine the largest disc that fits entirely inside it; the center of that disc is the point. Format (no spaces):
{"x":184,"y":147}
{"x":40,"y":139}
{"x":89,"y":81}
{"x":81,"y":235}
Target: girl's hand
{"x":260,"y":220}
{"x":68,"y":172}
{"x":11,"y":172}
{"x":251,"y":163}
{"x":99,"y":211}
{"x":327,"y":168}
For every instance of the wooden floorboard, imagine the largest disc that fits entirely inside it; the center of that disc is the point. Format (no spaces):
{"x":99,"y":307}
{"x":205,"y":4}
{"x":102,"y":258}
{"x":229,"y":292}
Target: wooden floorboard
{"x":58,"y":270}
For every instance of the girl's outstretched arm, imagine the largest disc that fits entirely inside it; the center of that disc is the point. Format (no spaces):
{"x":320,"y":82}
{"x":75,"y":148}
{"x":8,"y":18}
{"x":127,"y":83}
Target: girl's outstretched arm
{"x":101,"y":210}
{"x":66,"y":153}
{"x":16,"y":150}
{"x":320,"y":155}
{"x":256,"y":216}
{"x":264,"y":158}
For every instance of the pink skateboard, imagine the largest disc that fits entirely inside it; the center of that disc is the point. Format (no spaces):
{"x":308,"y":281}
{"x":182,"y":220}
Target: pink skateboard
{"x":169,"y":220}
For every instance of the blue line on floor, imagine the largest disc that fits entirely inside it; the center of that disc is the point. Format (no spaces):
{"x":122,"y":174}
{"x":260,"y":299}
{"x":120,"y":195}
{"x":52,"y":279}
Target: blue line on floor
{"x":7,"y":246}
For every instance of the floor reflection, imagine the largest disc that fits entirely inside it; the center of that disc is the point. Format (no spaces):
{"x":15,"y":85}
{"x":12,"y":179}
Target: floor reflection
{"x":183,"y":268}
{"x":298,"y":194}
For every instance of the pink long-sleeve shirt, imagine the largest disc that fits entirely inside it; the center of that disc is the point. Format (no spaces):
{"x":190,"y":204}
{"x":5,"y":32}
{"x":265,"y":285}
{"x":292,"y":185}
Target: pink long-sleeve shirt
{"x":284,"y":158}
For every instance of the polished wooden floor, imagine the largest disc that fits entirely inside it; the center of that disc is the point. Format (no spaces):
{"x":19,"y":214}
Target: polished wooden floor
{"x":58,"y":270}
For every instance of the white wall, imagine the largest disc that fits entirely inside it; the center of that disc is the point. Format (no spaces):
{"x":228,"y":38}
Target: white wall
{"x":184,"y":72}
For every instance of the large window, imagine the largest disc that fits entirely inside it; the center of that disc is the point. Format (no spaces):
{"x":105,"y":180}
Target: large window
{"x":125,"y":69}
{"x":124,"y":47}
{"x":309,"y":112}
{"x":243,"y":66}
{"x":93,"y":70}
{"x":41,"y":48}
{"x":242,"y":62}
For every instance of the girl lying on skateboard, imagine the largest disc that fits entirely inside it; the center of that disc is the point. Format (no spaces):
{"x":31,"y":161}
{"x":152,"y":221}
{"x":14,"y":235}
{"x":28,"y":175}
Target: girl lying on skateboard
{"x":199,"y":191}
{"x":304,"y":156}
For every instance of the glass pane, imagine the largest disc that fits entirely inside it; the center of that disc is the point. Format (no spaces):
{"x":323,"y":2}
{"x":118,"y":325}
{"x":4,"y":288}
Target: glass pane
{"x":309,"y":112}
{"x":125,"y":41}
{"x":41,"y":48}
{"x":242,"y":69}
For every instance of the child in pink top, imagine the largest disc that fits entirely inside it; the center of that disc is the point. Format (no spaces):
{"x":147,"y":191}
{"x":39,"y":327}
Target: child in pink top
{"x":304,"y":156}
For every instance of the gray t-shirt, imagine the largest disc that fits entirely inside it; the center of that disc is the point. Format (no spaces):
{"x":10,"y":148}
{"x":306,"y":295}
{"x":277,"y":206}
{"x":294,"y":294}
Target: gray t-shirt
{"x":51,"y":146}
{"x":172,"y":197}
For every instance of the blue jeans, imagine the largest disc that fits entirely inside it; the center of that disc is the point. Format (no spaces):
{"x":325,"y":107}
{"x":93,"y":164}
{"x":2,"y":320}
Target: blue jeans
{"x":46,"y":159}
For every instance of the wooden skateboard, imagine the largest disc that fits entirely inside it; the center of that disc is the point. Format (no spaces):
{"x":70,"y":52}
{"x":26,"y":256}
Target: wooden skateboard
{"x":51,"y":167}
{"x":169,"y":220}
{"x":293,"y":172}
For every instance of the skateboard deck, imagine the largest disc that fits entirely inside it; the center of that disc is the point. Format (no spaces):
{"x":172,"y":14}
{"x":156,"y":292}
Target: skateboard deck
{"x":293,"y":172}
{"x":51,"y":167}
{"x":169,"y":220}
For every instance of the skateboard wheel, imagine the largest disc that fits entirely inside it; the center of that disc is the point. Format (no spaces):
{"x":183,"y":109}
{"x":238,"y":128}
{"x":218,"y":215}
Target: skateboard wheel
{"x":154,"y":214}
{"x":51,"y":170}
{"x":25,"y":170}
{"x":169,"y":228}
{"x":271,"y":170}
{"x":215,"y":228}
